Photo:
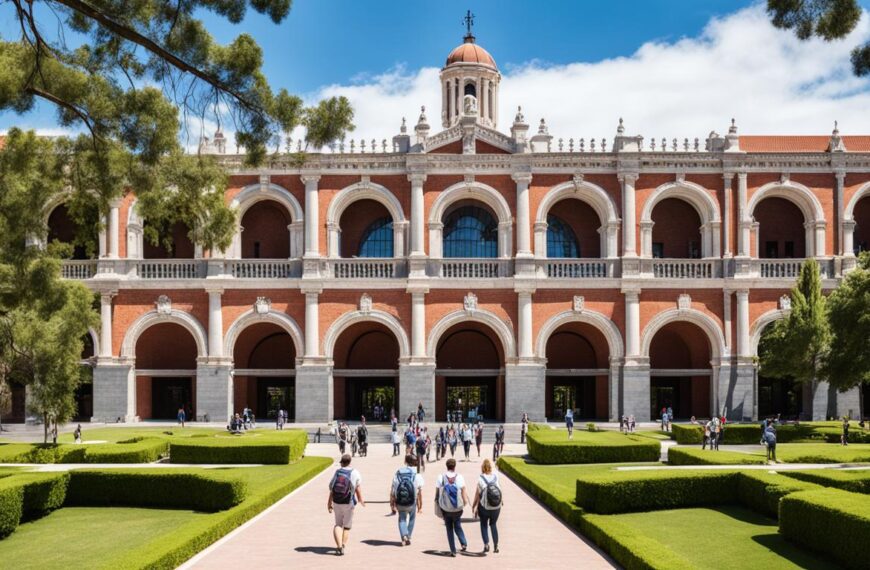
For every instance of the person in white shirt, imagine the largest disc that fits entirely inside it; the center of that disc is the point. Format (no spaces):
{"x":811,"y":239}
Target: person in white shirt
{"x":396,"y":439}
{"x":345,"y":491}
{"x":406,"y":497}
{"x":487,"y":504}
{"x":452,"y":497}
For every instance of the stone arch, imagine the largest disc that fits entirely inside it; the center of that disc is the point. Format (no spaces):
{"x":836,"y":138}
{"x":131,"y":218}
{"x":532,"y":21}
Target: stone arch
{"x":593,"y":318}
{"x":95,"y":339}
{"x":757,"y":328}
{"x":493,"y":321}
{"x":255,"y":193}
{"x":186,"y":320}
{"x":57,"y":200}
{"x":353,"y":317}
{"x":593,"y":195}
{"x":470,"y":191}
{"x":251,"y":316}
{"x":718,"y":350}
{"x":696,"y":196}
{"x":863,"y":191}
{"x":807,"y":203}
{"x":849,"y":222}
{"x":365,"y":191}
{"x":136,"y":233}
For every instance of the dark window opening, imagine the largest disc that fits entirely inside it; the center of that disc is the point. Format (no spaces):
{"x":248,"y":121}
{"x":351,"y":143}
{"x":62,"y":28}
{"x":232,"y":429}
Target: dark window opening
{"x":377,"y":240}
{"x":256,"y":250}
{"x":694,"y":250}
{"x":561,"y":240}
{"x":771,"y":250}
{"x":470,"y":231}
{"x":470,"y":89}
{"x":658,"y":249}
{"x":789,"y":249}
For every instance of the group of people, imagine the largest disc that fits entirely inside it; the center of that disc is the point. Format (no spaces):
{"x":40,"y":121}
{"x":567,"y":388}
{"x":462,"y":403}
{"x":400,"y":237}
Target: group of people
{"x":714,"y":431}
{"x":282,"y":416}
{"x":667,"y":416}
{"x":357,"y":440}
{"x":406,"y":501}
{"x":627,"y":424}
{"x":244,"y":421}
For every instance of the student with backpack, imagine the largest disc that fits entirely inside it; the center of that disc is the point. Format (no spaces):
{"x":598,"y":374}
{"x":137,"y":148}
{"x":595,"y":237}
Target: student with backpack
{"x":420,"y":452}
{"x":345,"y":492}
{"x":406,"y":497}
{"x":451,"y":497}
{"x":487,"y":504}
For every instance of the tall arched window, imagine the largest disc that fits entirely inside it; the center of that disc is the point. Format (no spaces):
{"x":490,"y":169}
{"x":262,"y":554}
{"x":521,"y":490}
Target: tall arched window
{"x":561,"y":241}
{"x":470,"y":89}
{"x":377,"y":240}
{"x":470,"y":231}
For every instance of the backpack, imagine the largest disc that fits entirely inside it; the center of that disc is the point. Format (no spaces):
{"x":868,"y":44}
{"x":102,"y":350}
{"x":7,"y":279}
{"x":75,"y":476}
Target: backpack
{"x":342,"y":488}
{"x":421,"y":446}
{"x":450,"y":499}
{"x":405,"y":495}
{"x":492,"y":494}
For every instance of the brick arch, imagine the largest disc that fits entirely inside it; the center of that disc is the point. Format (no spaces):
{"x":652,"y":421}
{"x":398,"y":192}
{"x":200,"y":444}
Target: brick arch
{"x":364,"y":191}
{"x":366,"y":345}
{"x":806,"y":201}
{"x":140,"y":325}
{"x":255,"y":193}
{"x":349,"y":319}
{"x":475,"y":191}
{"x":593,"y":195}
{"x":707,"y":324}
{"x":863,"y":192}
{"x":856,"y":220}
{"x":499,"y":327}
{"x":761,"y":323}
{"x":593,"y":318}
{"x":251,"y":317}
{"x":151,"y":353}
{"x":703,"y":203}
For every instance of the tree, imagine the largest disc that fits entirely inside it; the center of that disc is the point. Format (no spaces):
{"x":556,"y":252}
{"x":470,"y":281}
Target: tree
{"x":826,"y":19}
{"x":848,"y":362}
{"x":796,"y":345}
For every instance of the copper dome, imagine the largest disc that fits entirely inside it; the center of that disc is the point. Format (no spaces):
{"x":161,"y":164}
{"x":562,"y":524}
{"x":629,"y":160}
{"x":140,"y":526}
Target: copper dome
{"x":470,"y":52}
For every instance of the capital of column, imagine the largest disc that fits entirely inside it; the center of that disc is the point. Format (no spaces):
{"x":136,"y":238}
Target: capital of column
{"x":311,"y":290}
{"x":841,"y":177}
{"x":310,"y":179}
{"x":107,"y":295}
{"x":214,"y":290}
{"x":631,"y":292}
{"x":728,"y":177}
{"x":417,"y":178}
{"x":522,"y":177}
{"x":115,"y":203}
{"x":627,"y":177}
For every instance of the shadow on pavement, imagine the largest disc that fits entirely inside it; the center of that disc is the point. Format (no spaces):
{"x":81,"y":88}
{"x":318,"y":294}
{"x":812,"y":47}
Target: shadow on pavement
{"x":317,"y":549}
{"x":376,"y":542}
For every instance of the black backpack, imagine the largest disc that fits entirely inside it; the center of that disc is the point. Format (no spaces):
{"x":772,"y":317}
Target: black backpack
{"x":342,"y":488}
{"x":493,"y":494}
{"x":421,"y":446}
{"x":405,"y":495}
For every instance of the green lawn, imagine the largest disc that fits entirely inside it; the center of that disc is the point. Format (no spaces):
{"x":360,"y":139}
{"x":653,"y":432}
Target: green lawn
{"x":113,"y":434}
{"x":785,"y":453}
{"x":721,"y":538}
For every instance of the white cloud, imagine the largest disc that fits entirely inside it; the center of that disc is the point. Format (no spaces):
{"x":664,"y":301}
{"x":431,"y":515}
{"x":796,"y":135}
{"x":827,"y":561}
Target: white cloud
{"x":739,"y":66}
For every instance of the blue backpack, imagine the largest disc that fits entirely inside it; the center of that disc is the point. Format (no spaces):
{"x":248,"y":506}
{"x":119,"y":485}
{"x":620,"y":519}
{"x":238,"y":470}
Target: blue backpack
{"x":450,"y":499}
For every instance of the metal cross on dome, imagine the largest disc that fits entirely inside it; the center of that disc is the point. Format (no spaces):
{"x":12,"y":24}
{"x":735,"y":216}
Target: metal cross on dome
{"x":468,"y":20}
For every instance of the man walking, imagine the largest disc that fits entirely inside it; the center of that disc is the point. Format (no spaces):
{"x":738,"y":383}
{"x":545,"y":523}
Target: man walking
{"x":345,"y":492}
{"x":452,"y":498}
{"x":406,"y":497}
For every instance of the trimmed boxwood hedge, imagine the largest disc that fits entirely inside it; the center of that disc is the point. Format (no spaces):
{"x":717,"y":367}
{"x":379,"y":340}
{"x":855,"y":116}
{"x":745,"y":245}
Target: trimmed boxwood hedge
{"x":156,"y":488}
{"x":761,"y":491}
{"x":857,"y":481}
{"x":832,"y":522}
{"x":632,"y":491}
{"x":552,"y":447}
{"x":29,"y":496}
{"x":240,"y":449}
{"x":138,"y":450}
{"x":746,"y":434}
{"x":11,"y":507}
{"x":694,"y":456}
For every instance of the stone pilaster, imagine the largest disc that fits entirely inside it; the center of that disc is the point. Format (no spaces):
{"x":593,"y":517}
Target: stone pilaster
{"x":314,"y":393}
{"x":416,"y":385}
{"x":114,"y":393}
{"x":214,"y":392}
{"x":524,"y":387}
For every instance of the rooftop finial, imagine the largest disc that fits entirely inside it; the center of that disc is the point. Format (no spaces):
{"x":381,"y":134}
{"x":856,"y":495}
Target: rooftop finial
{"x":836,"y":129}
{"x":519,"y":118}
{"x":620,"y":129}
{"x":468,"y":20}
{"x":404,"y":128}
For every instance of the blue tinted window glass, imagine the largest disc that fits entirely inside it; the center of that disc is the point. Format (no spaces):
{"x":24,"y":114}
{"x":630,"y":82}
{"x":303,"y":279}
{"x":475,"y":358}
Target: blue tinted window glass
{"x":470,"y":231}
{"x":561,"y":241}
{"x":377,"y":240}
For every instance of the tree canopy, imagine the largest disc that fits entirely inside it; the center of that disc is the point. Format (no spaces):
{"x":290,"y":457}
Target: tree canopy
{"x":848,"y":361}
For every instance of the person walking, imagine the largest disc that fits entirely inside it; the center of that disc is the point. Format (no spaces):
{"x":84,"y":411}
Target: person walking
{"x":487,"y":504}
{"x":451,"y":496}
{"x":452,"y":440}
{"x":466,"y":441}
{"x":421,"y":413}
{"x":343,"y":436}
{"x":714,"y":433}
{"x":707,"y":431}
{"x":478,"y":436}
{"x":569,"y":422}
{"x":406,"y":497}
{"x":769,"y":438}
{"x":844,"y":439}
{"x":670,"y":418}
{"x":279,"y":419}
{"x":394,"y":422}
{"x":524,"y":427}
{"x":77,"y":434}
{"x":420,"y":452}
{"x":345,"y":492}
{"x":499,"y":439}
{"x":440,"y":444}
{"x":396,"y":440}
{"x":181,"y":416}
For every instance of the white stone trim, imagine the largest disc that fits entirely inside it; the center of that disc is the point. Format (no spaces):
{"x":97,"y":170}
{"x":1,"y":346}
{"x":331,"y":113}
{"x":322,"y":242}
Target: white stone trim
{"x":470,"y":190}
{"x":95,"y":338}
{"x":140,"y":325}
{"x":760,"y":324}
{"x":592,"y":194}
{"x":363,"y":190}
{"x":493,"y":321}
{"x":251,"y":316}
{"x":699,"y":198}
{"x":375,"y":316}
{"x":863,"y":191}
{"x":593,"y":318}
{"x":718,"y":349}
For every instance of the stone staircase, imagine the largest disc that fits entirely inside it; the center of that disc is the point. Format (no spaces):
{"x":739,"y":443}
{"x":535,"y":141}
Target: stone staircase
{"x":380,"y":433}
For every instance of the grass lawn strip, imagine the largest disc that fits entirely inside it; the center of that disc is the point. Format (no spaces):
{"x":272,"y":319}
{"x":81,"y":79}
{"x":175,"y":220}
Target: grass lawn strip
{"x":785,"y":453}
{"x":857,"y":481}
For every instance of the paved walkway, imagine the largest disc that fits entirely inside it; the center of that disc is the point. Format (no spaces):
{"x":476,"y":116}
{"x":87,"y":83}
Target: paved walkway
{"x":297,"y":532}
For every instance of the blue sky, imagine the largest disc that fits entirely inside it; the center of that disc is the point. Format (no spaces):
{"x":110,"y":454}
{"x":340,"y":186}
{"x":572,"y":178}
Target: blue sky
{"x":674,"y":68}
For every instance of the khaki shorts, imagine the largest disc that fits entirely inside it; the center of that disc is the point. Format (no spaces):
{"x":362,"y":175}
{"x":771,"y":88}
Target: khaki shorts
{"x":343,"y":515}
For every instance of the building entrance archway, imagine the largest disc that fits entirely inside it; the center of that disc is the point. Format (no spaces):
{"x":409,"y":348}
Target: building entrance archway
{"x":681,"y":375}
{"x":577,"y":372}
{"x":264,"y":357}
{"x":165,"y":378}
{"x":365,"y":374}
{"x":469,"y":376}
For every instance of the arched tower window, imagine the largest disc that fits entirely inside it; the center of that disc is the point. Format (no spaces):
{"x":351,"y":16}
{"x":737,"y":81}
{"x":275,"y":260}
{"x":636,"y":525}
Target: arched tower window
{"x":377,"y":240}
{"x":470,"y":89}
{"x":470,"y":231}
{"x":561,"y":241}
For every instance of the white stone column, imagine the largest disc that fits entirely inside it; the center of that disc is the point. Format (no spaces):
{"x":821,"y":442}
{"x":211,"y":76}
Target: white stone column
{"x":102,"y":236}
{"x":106,"y":324}
{"x":819,"y":241}
{"x":505,"y":237}
{"x":399,"y":238}
{"x":215,"y":324}
{"x":333,"y":235}
{"x":114,"y":227}
{"x":484,"y":104}
{"x":451,"y":84}
{"x":312,"y":216}
{"x":524,"y":240}
{"x":726,"y":213}
{"x":312,"y":324}
{"x":418,"y":223}
{"x":418,"y":324}
{"x":646,"y":228}
{"x":632,"y":322}
{"x":524,"y":331}
{"x":629,"y":216}
{"x":849,"y":238}
{"x":841,"y":211}
{"x":743,"y":344}
{"x":743,"y":220}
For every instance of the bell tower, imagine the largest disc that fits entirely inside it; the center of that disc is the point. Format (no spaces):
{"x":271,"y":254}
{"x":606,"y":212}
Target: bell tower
{"x":469,"y":82}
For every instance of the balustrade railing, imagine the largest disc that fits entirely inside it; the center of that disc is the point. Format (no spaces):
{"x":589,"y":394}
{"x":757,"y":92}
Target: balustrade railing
{"x":75,"y":269}
{"x":686,"y":268}
{"x":471,"y":268}
{"x":580,"y":268}
{"x":170,"y":268}
{"x":264,"y":268}
{"x":365,"y":268}
{"x":790,"y":268}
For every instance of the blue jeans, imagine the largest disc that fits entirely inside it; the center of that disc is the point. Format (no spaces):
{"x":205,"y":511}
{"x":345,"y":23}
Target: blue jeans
{"x":406,"y":522}
{"x":453,"y":523}
{"x":488,"y":520}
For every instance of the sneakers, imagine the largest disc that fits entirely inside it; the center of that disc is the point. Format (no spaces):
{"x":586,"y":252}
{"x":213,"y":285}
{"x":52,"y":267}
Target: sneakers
{"x":406,"y":541}
{"x":495,"y":549}
{"x":464,"y":547}
{"x":339,"y":551}
{"x":485,"y":548}
{"x":452,"y":555}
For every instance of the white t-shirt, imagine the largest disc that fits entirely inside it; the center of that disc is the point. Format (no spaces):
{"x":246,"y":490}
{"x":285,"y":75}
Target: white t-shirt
{"x":482,"y":482}
{"x":418,"y":480}
{"x":395,"y":437}
{"x":459,"y":482}
{"x":355,"y":481}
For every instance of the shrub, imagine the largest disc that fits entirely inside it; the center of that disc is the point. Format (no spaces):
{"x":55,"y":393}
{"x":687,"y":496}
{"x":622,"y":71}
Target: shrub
{"x":135,"y":450}
{"x":688,"y":434}
{"x":43,"y":493}
{"x":626,"y":546}
{"x":11,"y":506}
{"x":553,"y":447}
{"x":624,"y":492}
{"x":761,"y":491}
{"x":693,"y":456}
{"x":855,"y":481}
{"x":832,"y":522}
{"x":240,"y":449}
{"x":156,"y":488}
{"x":591,"y":427}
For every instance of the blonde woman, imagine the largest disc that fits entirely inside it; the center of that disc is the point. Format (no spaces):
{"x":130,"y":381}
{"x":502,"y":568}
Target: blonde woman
{"x":487,"y":504}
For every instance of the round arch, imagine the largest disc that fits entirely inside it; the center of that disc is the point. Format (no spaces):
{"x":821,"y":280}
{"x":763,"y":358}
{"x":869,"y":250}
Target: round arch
{"x":95,"y":339}
{"x":251,"y":316}
{"x":255,"y":193}
{"x":807,"y":203}
{"x":136,"y":234}
{"x":186,"y":320}
{"x":698,"y":197}
{"x":470,"y":191}
{"x":494,"y":322}
{"x":364,"y":191}
{"x":593,"y":318}
{"x":849,"y":222}
{"x":59,"y":199}
{"x":718,"y":350}
{"x":757,"y":328}
{"x":863,"y":191}
{"x":375,"y":316}
{"x":593,"y":195}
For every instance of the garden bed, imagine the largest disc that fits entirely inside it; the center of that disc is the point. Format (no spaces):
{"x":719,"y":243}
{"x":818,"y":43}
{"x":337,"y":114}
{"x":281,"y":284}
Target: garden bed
{"x":552,"y":446}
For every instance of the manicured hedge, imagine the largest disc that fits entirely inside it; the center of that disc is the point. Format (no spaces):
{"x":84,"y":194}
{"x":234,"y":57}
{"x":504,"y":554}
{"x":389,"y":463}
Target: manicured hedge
{"x":156,"y":488}
{"x":747,"y":434}
{"x":857,"y":481}
{"x":244,"y":449}
{"x":687,"y":434}
{"x":553,"y":447}
{"x":139,"y":450}
{"x":633,"y":491}
{"x":11,"y":507}
{"x":761,"y":491}
{"x":694,"y":456}
{"x":29,"y":496}
{"x":832,"y":522}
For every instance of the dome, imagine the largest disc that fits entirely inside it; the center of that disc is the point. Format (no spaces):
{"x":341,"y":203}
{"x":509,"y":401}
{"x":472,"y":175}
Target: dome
{"x":470,"y":52}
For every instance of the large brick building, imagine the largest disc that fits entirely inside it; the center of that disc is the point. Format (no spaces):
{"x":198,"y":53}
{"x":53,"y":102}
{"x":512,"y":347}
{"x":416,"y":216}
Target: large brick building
{"x":476,"y":270}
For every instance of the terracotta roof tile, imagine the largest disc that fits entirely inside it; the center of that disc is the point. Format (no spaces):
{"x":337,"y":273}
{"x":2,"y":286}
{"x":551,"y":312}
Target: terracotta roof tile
{"x":800,"y":143}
